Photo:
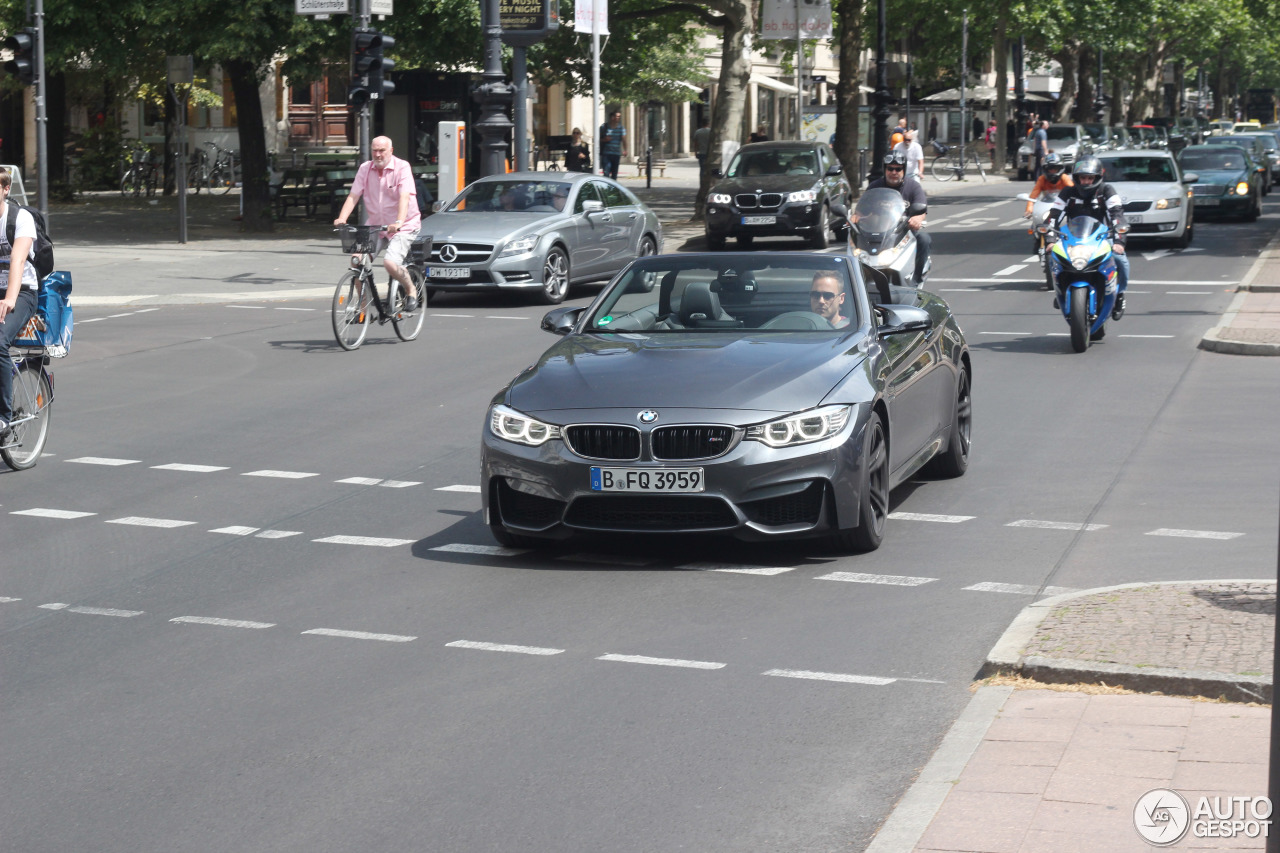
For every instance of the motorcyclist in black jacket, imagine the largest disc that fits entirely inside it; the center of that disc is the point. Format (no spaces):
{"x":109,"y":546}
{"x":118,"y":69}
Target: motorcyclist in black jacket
{"x":895,"y":178}
{"x":1091,"y":196}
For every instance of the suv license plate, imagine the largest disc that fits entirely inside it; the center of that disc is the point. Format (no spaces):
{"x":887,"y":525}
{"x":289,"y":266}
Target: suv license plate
{"x":1208,"y":202}
{"x":646,"y":479}
{"x":759,"y":220}
{"x":449,"y":272}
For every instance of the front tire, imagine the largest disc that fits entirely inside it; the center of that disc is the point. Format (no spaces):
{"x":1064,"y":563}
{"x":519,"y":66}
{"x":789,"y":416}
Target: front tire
{"x":555,"y":276}
{"x":1188,"y":234}
{"x":873,"y":501}
{"x":648,"y":246}
{"x":822,"y":234}
{"x":350,"y":311}
{"x":408,"y":323}
{"x":32,"y":395}
{"x":1079,"y":319}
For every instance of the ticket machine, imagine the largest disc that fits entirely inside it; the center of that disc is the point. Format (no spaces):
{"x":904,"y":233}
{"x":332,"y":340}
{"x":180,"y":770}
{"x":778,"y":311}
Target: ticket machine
{"x":452,"y":151}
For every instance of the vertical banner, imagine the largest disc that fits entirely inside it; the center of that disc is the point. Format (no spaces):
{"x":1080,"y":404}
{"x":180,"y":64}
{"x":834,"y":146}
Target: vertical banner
{"x":778,"y":19}
{"x":584,"y":12}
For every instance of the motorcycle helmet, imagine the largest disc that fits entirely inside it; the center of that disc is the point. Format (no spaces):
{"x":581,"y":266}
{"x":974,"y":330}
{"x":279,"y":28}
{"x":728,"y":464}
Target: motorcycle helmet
{"x":1054,"y":168}
{"x":895,"y":159}
{"x":1088,"y":177}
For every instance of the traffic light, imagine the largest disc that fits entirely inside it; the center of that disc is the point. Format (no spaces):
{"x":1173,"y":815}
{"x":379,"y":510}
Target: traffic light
{"x":23,"y":45}
{"x":379,"y":66}
{"x":369,"y":67}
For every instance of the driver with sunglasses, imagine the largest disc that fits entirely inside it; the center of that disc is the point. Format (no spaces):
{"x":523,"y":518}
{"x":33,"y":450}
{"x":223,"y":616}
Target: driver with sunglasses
{"x":826,"y":297}
{"x":895,"y":178}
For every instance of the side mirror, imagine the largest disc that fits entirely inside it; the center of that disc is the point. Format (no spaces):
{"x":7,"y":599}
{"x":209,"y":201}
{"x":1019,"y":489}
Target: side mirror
{"x":835,"y":171}
{"x":904,"y":319}
{"x":1190,"y":177}
{"x":917,"y":209}
{"x":717,"y":173}
{"x":840,"y":210}
{"x":437,"y":206}
{"x":592,"y":205}
{"x":562,"y":320}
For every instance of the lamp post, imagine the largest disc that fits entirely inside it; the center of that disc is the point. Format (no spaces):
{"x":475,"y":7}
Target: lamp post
{"x":494,"y":95}
{"x":880,"y":144}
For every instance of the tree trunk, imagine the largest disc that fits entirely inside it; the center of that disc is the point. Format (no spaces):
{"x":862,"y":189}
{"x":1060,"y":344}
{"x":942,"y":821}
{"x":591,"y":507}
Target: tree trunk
{"x":851,"y":14}
{"x":1002,"y":91}
{"x":1069,"y":59}
{"x":731,"y":97}
{"x":1086,"y":89}
{"x":253,"y":170}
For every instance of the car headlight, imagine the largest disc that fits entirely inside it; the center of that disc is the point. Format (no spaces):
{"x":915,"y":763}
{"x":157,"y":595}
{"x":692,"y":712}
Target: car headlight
{"x":520,"y":246}
{"x":808,"y":196}
{"x":719,"y":198}
{"x":1242,"y":188}
{"x":1166,"y":203}
{"x":806,"y":427}
{"x":510,"y":425}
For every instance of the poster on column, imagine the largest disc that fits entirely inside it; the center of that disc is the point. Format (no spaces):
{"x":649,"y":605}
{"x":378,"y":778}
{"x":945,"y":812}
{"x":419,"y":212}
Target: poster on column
{"x":778,"y":19}
{"x":584,"y":12}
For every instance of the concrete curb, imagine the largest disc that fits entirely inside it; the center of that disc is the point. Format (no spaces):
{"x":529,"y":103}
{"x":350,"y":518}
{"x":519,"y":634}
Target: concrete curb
{"x":1214,"y":340}
{"x":1006,"y":658}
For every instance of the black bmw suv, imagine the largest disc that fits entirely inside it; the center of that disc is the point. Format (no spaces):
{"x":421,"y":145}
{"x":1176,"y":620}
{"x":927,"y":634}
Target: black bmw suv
{"x":777,"y":189}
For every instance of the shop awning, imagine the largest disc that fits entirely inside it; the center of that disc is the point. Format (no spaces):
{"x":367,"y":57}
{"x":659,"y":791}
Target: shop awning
{"x":775,"y":85}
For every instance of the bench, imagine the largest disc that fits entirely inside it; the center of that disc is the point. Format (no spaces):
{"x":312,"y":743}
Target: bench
{"x":333,"y":189}
{"x":293,"y":188}
{"x":659,"y":166}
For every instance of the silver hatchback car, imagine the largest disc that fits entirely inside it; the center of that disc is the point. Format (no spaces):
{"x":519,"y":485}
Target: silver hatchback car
{"x":539,"y":232}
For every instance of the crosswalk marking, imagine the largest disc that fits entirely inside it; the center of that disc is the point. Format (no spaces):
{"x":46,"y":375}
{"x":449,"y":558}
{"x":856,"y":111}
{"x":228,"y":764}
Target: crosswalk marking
{"x":41,"y":512}
{"x":488,"y":550}
{"x":873,"y":680}
{"x":924,"y":516}
{"x":285,"y":475}
{"x":1017,"y":588}
{"x":888,"y":580}
{"x":198,"y":469}
{"x":143,"y":521}
{"x":1054,"y":525}
{"x":1194,"y":534}
{"x":360,"y":635}
{"x":225,"y":623}
{"x":689,"y":664}
{"x":736,"y":568}
{"x":103,"y":460}
{"x":502,"y":647}
{"x":371,"y":541}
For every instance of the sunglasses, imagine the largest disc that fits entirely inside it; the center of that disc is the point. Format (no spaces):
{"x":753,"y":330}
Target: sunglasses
{"x":821,"y":294}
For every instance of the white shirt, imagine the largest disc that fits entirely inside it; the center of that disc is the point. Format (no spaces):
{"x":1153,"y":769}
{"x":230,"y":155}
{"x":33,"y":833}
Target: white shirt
{"x":915,"y":154}
{"x":24,"y":227}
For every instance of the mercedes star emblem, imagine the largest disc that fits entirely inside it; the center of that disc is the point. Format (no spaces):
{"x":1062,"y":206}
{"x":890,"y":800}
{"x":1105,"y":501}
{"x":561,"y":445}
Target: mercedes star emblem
{"x":448,"y":253}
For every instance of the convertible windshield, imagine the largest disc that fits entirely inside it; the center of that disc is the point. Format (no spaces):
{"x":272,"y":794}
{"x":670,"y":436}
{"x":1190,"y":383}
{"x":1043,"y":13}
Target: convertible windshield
{"x":1207,"y":161}
{"x":512,"y":196}
{"x":1149,"y":170}
{"x":773,"y":161}
{"x":669,"y":294}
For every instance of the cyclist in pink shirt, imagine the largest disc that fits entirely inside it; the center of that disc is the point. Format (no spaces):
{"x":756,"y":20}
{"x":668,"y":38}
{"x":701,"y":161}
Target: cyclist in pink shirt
{"x":390,"y":199}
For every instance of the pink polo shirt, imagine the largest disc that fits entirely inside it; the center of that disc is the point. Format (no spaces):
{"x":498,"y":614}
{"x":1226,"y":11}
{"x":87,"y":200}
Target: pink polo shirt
{"x":381,"y":189}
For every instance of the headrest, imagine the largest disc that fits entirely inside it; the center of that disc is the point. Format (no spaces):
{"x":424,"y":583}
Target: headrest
{"x":698,"y":299}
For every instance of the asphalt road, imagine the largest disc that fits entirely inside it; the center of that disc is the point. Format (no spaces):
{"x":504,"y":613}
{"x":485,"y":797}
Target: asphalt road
{"x":249,"y":602}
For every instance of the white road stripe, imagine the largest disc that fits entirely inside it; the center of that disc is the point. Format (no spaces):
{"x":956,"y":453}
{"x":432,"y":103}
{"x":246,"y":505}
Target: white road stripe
{"x":924,"y":516}
{"x":1004,"y":333}
{"x":736,"y":568}
{"x":92,"y":320}
{"x":502,"y":647}
{"x":103,"y":460}
{"x":690,"y":664}
{"x":1018,"y":588}
{"x":92,"y":611}
{"x":278,"y":308}
{"x":278,"y":534}
{"x":488,"y":550}
{"x":1053,"y":525}
{"x":360,"y":481}
{"x":360,"y":635}
{"x":459,"y":488}
{"x":1019,"y":222}
{"x":4,"y":600}
{"x":142,"y":521}
{"x":1189,"y":292}
{"x":287,"y":475}
{"x":145,"y":310}
{"x":398,"y":484}
{"x":114,"y":316}
{"x":987,"y":280}
{"x":468,"y":316}
{"x":1010,"y":270}
{"x":831,"y":676}
{"x":199,"y":469}
{"x":504,"y":317}
{"x":225,"y":623}
{"x":889,"y":580}
{"x":236,"y":530}
{"x":246,"y":306}
{"x":1194,"y":534}
{"x":1034,"y":259}
{"x":372,"y":541}
{"x":41,"y":512}
{"x":1145,"y":336}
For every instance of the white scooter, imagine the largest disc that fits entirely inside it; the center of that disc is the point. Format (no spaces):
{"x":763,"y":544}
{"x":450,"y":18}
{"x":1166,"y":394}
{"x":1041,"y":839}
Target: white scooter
{"x":1043,"y":206}
{"x":883,"y":242}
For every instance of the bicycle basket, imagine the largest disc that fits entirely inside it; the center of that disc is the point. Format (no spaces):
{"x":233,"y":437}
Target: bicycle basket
{"x":359,"y":238}
{"x":420,"y":250}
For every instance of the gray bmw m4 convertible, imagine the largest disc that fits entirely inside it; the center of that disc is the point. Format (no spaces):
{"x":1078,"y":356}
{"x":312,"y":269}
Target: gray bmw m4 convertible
{"x":755,"y":395}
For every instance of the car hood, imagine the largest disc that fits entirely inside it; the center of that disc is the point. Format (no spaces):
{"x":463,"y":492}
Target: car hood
{"x":487,"y":227}
{"x":1147,"y":191}
{"x":1221,"y":176}
{"x":765,"y":183}
{"x":750,"y":373}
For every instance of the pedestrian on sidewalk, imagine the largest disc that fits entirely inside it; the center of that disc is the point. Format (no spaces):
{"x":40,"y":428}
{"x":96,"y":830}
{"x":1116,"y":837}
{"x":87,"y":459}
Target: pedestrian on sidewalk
{"x":578,"y":157}
{"x":702,"y":142}
{"x":612,"y":135}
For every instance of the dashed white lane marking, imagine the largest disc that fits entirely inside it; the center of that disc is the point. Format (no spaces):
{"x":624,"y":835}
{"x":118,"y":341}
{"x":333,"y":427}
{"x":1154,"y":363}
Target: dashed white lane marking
{"x":246,"y":306}
{"x":1005,"y":333}
{"x":873,"y":680}
{"x":372,"y":541}
{"x":604,"y":559}
{"x":1054,"y":525}
{"x":689,"y":664}
{"x":4,"y":600}
{"x":92,"y":611}
{"x":90,"y":320}
{"x":504,"y":317}
{"x":225,"y":623}
{"x":278,"y":308}
{"x":488,"y":550}
{"x":502,"y":647}
{"x":1194,"y":534}
{"x":278,"y":534}
{"x":459,"y":488}
{"x":360,"y":635}
{"x":285,"y":475}
{"x":1145,"y":336}
{"x":41,"y":512}
{"x":103,"y":460}
{"x":1018,"y":588}
{"x":198,"y":469}
{"x":1011,"y":269}
{"x":373,"y":481}
{"x":1034,"y":259}
{"x":924,"y":516}
{"x":237,"y":530}
{"x":889,"y":580}
{"x":736,"y":568}
{"x":142,"y":521}
{"x":398,"y":484}
{"x":468,"y":316}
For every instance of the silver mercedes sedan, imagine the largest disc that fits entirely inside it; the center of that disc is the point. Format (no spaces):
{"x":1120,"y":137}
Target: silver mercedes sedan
{"x":540,"y":232}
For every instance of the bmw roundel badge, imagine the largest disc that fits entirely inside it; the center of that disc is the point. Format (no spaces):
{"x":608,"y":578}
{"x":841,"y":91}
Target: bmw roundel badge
{"x":648,"y":416}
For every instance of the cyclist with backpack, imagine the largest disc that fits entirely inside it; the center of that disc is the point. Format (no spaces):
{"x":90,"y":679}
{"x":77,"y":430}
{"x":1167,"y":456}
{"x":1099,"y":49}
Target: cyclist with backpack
{"x":18,"y":286}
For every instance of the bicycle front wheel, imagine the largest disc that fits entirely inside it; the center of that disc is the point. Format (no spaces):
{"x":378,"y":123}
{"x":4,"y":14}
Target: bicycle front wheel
{"x":408,"y":323}
{"x":32,"y":394}
{"x":351,"y":304}
{"x":130,"y":184}
{"x":220,"y":180}
{"x":942,"y":169}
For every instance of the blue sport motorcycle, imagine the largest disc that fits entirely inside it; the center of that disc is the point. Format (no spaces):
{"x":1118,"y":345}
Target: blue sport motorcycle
{"x":1084,"y":275}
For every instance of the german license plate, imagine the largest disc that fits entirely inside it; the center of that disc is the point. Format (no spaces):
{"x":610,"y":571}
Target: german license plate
{"x":646,"y":479}
{"x":449,"y":272}
{"x":1135,"y":220}
{"x":759,"y":220}
{"x":1208,"y":202}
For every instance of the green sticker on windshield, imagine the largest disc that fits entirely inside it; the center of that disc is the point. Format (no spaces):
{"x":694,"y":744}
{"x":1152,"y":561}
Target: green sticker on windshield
{"x":605,"y":320}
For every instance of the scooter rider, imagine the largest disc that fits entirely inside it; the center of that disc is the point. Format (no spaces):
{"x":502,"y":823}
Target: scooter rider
{"x":1091,"y":196}
{"x":1054,"y":179}
{"x":895,"y":178}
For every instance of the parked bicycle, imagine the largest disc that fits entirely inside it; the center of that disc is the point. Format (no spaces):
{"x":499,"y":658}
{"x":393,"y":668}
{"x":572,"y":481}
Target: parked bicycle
{"x":953,"y":160}
{"x":140,"y":173}
{"x":32,"y":396}
{"x":356,"y":298}
{"x":215,"y":170}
